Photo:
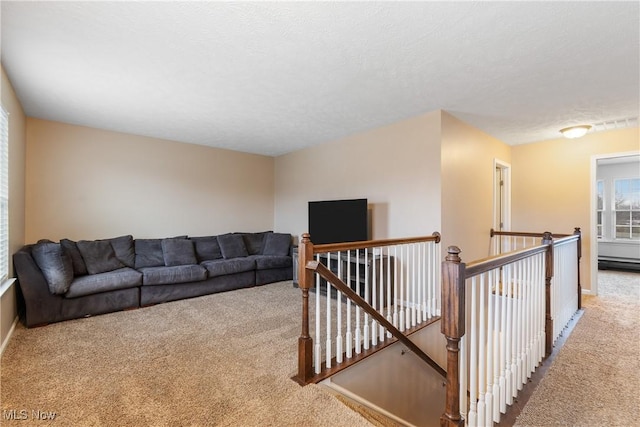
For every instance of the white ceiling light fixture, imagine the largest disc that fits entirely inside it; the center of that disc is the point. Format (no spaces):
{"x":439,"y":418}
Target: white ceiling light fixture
{"x":575,"y":131}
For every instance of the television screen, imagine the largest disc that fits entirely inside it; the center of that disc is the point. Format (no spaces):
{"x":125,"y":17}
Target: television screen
{"x":335,"y":221}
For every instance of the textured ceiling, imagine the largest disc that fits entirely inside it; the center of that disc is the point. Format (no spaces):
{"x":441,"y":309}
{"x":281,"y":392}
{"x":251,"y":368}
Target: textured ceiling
{"x":270,"y":78}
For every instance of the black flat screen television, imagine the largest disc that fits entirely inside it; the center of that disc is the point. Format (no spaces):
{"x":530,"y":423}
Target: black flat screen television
{"x":335,"y":221}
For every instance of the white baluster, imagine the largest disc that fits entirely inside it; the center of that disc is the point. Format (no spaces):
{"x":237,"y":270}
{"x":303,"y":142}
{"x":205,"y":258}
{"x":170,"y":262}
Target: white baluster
{"x":482,"y":353}
{"x":329,"y":346}
{"x":508,"y":283}
{"x":414,"y":299}
{"x":349,"y":336}
{"x":489,"y":349}
{"x":381,"y":294}
{"x":503,"y":337}
{"x":495,"y":336}
{"x":367,"y":299}
{"x":464,"y":376}
{"x":395,"y":287}
{"x":404,"y":292}
{"x":317,"y":348}
{"x":429,"y":276}
{"x":473,"y":350}
{"x":358,"y":337}
{"x":518,"y":331}
{"x":339,"y":314}
{"x":374,"y":294}
{"x":390,"y":302}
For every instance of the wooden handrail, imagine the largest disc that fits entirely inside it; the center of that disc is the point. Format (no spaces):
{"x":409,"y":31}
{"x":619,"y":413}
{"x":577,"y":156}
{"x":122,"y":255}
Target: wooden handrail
{"x":330,"y":277}
{"x":493,"y":232}
{"x":483,"y":265}
{"x":365,"y":244}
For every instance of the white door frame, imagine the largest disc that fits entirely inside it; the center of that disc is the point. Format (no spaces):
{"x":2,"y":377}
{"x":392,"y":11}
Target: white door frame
{"x":593,"y":244}
{"x":506,"y":208}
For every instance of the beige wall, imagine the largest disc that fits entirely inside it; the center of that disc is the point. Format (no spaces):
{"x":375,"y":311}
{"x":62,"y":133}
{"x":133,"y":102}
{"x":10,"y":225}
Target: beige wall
{"x":85,"y":183}
{"x":17,"y":143}
{"x":468,"y":157}
{"x":396,"y":167}
{"x":552,"y":184}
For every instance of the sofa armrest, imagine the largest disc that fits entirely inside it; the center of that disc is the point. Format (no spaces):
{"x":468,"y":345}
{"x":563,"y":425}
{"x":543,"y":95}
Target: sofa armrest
{"x":40,"y":305}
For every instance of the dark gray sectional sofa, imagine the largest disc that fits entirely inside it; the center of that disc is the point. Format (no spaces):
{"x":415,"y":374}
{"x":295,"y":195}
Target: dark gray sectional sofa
{"x":67,"y":280}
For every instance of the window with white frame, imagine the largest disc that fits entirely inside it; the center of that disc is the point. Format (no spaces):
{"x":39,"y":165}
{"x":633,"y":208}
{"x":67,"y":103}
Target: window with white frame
{"x":4,"y":195}
{"x":600,"y":208}
{"x":626,"y":208}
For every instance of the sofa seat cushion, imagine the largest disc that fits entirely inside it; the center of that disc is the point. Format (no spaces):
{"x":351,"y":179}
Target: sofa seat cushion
{"x":221,"y":267}
{"x":173,"y":274}
{"x":265,"y":262}
{"x":103,"y":282}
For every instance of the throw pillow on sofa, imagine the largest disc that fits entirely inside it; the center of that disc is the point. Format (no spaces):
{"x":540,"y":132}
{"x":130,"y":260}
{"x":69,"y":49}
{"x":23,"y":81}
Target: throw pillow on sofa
{"x":277,"y":244}
{"x":232,"y":246}
{"x":99,"y":256}
{"x":70,"y":247}
{"x":207,"y":248}
{"x":56,"y":266}
{"x":254,"y":241}
{"x":149,"y":252}
{"x":178,"y":252}
{"x":123,"y":247}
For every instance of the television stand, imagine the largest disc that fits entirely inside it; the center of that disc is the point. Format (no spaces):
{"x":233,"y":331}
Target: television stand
{"x":352,"y":264}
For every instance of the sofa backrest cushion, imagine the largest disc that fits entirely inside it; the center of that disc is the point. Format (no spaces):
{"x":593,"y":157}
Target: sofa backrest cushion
{"x":207,"y":248}
{"x":99,"y":256}
{"x":123,"y":247}
{"x":70,"y":247}
{"x":254,"y":241}
{"x":232,"y":246}
{"x":178,"y":252}
{"x":55,"y":264}
{"x":148,"y":253}
{"x":278,"y":244}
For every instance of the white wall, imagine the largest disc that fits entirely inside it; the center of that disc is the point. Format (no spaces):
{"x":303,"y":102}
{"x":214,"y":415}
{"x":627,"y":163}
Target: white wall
{"x":85,"y":183}
{"x":468,"y":156}
{"x":396,"y":167}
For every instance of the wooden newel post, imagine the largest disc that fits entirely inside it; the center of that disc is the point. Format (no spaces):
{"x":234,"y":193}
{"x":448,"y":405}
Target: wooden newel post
{"x":453,"y":326}
{"x":579,"y":233}
{"x":305,"y":282}
{"x":547,"y":239}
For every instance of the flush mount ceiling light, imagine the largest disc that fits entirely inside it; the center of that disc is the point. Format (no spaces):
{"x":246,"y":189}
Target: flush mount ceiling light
{"x":575,"y":131}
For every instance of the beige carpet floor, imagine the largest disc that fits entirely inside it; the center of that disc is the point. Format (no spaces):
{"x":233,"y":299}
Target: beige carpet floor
{"x":595,"y":378}
{"x":218,"y":360}
{"x":227,"y":359}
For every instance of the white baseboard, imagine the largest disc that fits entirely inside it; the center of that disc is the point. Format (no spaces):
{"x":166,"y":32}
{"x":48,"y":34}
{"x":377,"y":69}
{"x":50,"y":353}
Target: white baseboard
{"x":6,"y":340}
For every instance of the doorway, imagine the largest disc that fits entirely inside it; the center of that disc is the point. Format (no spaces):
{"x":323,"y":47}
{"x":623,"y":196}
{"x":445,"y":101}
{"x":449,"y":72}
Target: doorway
{"x":608,"y":243}
{"x":501,"y":199}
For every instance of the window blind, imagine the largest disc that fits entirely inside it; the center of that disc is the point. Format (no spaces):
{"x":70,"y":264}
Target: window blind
{"x":4,"y":194}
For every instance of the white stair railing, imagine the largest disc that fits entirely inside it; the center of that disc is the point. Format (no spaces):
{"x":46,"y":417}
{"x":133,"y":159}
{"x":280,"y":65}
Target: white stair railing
{"x":400,"y":279}
{"x":502,"y":316}
{"x":564,"y":294}
{"x":504,"y":339}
